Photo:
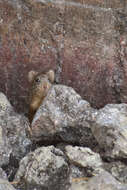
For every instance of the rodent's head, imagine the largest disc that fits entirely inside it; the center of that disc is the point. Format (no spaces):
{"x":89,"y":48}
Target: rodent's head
{"x":40,"y":82}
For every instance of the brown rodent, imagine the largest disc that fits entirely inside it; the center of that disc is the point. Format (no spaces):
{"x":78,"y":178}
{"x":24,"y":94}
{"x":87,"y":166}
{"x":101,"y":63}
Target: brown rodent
{"x":40,"y":83}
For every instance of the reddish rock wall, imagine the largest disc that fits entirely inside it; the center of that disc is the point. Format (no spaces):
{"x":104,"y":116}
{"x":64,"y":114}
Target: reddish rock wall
{"x":84,"y":41}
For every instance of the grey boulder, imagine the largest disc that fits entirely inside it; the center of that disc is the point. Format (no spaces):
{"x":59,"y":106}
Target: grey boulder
{"x":118,"y":169}
{"x":5,"y":185}
{"x":45,"y":168}
{"x":110,"y":130}
{"x":63,"y":117}
{"x":103,"y":181}
{"x":84,"y":158}
{"x":3,"y":174}
{"x":14,"y":143}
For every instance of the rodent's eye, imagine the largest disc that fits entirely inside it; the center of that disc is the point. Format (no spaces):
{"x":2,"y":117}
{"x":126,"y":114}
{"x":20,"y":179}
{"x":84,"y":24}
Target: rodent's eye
{"x":37,"y":80}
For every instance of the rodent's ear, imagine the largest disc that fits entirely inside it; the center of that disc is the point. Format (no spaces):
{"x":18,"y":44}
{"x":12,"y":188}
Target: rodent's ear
{"x":51,"y":75}
{"x":32,"y":75}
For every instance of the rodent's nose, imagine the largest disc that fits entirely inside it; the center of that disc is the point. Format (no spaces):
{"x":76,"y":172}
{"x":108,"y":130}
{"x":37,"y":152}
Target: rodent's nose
{"x":44,"y":86}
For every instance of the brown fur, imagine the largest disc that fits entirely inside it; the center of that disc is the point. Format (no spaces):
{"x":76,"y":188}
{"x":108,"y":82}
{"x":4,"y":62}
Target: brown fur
{"x":40,"y":85}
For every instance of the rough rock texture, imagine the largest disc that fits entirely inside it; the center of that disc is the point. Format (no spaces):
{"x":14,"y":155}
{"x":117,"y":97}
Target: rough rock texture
{"x":84,"y":41}
{"x":63,"y":117}
{"x":103,"y":181}
{"x":3,"y":174}
{"x":14,"y":143}
{"x":5,"y":185}
{"x":85,"y":158}
{"x":110,"y":130}
{"x":118,"y":170}
{"x":45,"y":168}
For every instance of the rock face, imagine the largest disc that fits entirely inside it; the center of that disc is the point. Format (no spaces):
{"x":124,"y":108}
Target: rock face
{"x":84,"y":41}
{"x":63,"y":117}
{"x":103,"y":181}
{"x":14,"y":143}
{"x":110,"y":130}
{"x":45,"y":168}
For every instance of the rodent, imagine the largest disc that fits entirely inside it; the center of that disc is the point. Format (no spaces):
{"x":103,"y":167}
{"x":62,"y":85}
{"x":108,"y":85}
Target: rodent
{"x":40,"y":83}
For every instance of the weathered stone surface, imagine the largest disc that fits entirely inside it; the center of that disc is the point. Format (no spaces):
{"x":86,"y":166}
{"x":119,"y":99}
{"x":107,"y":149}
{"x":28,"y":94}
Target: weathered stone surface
{"x":118,"y":170}
{"x":3,"y":174}
{"x":25,"y":44}
{"x":5,"y":185}
{"x":103,"y":181}
{"x":5,"y":148}
{"x":4,"y":104}
{"x":45,"y":168}
{"x":84,"y":41}
{"x":85,"y":158}
{"x":14,"y":143}
{"x":63,"y":117}
{"x":110,"y":130}
{"x":77,"y":173}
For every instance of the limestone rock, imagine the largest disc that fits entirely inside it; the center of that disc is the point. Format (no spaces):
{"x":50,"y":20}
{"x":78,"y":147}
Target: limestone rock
{"x":103,"y":181}
{"x":118,"y":170}
{"x":45,"y":168}
{"x":3,"y":174}
{"x":110,"y":130}
{"x":63,"y":117}
{"x":4,"y":104}
{"x":14,"y":143}
{"x":5,"y":185}
{"x":85,"y":158}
